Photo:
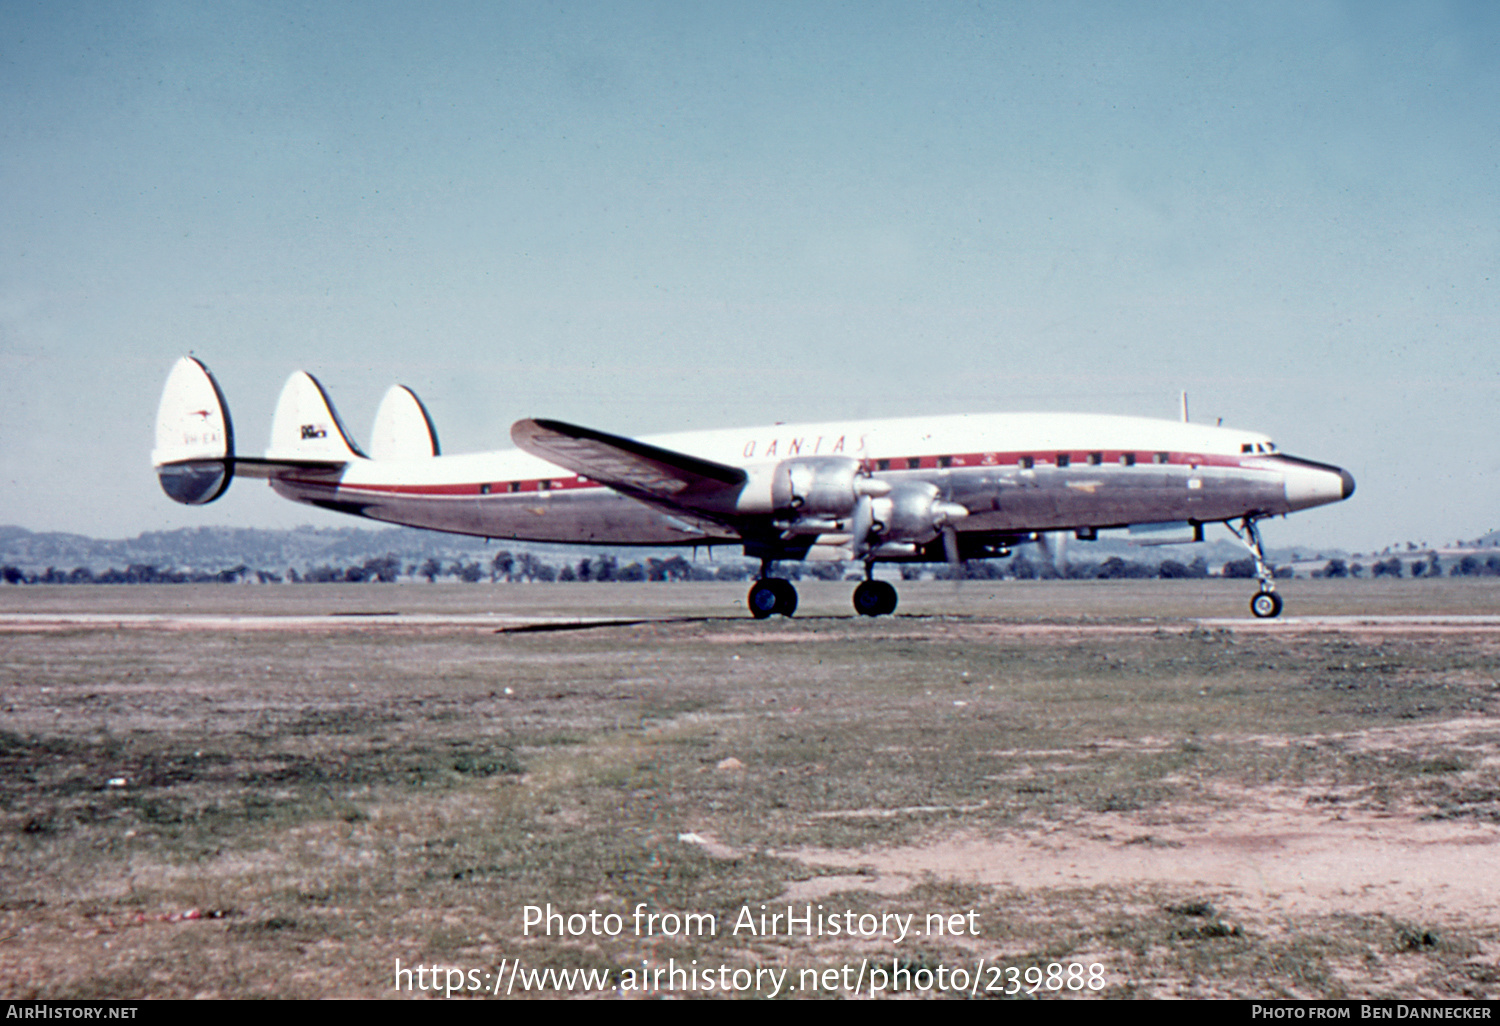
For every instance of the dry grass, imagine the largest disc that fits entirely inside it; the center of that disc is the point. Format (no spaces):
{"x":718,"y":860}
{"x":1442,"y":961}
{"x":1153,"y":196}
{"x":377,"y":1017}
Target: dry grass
{"x":330,"y":798}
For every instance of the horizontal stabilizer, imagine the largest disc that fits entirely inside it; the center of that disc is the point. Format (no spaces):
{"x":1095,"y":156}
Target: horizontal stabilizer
{"x":306,"y":427}
{"x":403,"y":429}
{"x":634,"y":468}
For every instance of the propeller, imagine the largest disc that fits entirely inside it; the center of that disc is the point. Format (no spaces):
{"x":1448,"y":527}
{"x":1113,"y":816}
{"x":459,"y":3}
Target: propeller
{"x":1054,"y":546}
{"x":863,"y":529}
{"x":945,"y":516}
{"x":950,"y":549}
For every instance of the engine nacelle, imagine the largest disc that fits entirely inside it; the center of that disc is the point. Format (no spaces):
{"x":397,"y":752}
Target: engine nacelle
{"x":911,"y":512}
{"x":820,"y":489}
{"x":816,"y":486}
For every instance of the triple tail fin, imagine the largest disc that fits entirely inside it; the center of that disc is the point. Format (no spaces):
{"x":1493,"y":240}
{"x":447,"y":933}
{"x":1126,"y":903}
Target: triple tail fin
{"x":403,"y":428}
{"x":194,"y":454}
{"x":306,"y":427}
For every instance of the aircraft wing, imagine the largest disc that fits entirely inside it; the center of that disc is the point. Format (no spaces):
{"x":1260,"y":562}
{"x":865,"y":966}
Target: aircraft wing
{"x":661,"y":477}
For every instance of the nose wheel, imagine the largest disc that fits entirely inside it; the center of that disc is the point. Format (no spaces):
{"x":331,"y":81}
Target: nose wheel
{"x":771,"y":595}
{"x":1266,"y":604}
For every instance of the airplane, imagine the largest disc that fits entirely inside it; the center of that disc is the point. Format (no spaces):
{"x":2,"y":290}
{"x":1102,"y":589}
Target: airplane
{"x":939,"y":489}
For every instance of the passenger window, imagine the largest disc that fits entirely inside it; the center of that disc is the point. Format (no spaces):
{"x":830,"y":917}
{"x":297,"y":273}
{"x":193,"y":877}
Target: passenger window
{"x":1161,"y":457}
{"x":914,"y":463}
{"x":515,"y":486}
{"x":484,"y":489}
{"x":1127,"y":459}
{"x":945,"y":461}
{"x":882,"y":464}
{"x":1026,"y":462}
{"x":1096,"y":458}
{"x":1063,"y":459}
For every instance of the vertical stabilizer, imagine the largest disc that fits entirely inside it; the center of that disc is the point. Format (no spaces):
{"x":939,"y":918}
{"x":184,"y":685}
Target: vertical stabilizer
{"x":306,"y":426}
{"x":403,"y":429}
{"x":194,"y":454}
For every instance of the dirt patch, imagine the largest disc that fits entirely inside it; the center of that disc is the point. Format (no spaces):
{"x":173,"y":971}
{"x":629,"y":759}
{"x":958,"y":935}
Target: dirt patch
{"x":1275,"y":853}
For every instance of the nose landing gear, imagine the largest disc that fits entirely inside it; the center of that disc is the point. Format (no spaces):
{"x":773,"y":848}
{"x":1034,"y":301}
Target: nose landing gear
{"x":1266,"y":604}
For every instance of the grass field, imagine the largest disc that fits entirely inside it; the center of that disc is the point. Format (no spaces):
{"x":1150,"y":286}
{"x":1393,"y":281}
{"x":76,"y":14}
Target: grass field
{"x":1056,"y":772}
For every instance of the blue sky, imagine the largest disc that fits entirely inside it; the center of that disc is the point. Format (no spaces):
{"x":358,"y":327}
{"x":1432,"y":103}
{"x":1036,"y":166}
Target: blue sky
{"x":650,"y":217}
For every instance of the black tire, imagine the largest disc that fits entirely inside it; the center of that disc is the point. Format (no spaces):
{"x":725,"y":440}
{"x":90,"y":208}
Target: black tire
{"x":874,"y":598}
{"x":1266,"y":605}
{"x":771,"y":595}
{"x":763,"y":599}
{"x":786,"y":596}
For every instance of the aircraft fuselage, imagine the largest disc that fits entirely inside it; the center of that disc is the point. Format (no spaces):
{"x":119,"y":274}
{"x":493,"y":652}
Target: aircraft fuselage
{"x":1015,"y":473}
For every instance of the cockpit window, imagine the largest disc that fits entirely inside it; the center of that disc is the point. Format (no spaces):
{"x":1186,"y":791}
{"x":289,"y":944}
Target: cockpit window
{"x":1247,"y":447}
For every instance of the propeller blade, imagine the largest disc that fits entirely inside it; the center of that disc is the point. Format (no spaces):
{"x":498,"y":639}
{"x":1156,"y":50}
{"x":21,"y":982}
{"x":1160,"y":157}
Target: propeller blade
{"x":1054,"y":545}
{"x":950,"y":546}
{"x":861,"y":523}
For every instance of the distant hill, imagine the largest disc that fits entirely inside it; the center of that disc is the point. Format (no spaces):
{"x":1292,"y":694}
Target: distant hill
{"x":213,"y":548}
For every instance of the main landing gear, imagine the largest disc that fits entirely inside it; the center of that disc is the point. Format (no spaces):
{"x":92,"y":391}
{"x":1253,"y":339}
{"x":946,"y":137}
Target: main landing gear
{"x":1266,"y":604}
{"x":872,"y":597}
{"x":772,"y":595}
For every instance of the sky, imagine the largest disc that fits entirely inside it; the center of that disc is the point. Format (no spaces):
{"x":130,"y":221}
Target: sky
{"x":651,"y":217}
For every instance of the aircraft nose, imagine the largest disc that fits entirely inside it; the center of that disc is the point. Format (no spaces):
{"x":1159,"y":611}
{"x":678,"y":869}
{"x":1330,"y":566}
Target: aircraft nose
{"x":1311,"y":484}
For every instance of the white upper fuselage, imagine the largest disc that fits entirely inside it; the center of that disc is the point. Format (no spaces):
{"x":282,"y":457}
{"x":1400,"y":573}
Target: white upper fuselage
{"x":997,"y":435}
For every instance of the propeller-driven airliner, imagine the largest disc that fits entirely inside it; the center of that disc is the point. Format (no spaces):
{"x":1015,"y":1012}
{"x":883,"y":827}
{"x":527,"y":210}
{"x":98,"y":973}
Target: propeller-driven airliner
{"x":909,"y":490}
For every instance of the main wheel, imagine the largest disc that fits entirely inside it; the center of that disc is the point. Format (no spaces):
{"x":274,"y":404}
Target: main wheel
{"x":1266,"y":604}
{"x":786,"y":596}
{"x":874,"y":598}
{"x":771,"y":595}
{"x":762,"y":599}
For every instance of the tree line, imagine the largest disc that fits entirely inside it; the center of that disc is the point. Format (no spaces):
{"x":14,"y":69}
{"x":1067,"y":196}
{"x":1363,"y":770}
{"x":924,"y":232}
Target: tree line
{"x":526,"y":567}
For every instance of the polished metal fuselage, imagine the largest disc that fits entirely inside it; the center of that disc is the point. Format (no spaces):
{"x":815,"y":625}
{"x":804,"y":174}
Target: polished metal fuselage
{"x":1014,"y":473}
